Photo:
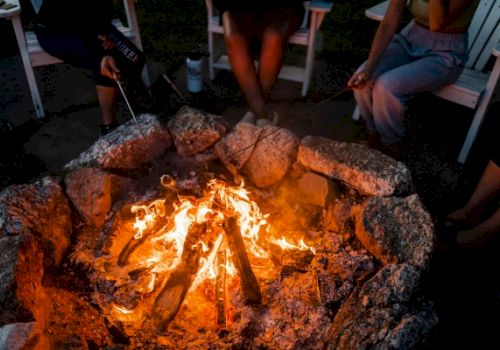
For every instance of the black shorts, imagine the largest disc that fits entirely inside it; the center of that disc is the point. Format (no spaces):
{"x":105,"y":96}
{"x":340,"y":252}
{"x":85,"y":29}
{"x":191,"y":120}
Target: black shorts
{"x":84,"y":50}
{"x":252,"y":23}
{"x":255,"y":5}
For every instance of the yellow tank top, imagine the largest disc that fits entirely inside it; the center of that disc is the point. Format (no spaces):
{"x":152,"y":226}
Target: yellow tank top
{"x":419,"y":10}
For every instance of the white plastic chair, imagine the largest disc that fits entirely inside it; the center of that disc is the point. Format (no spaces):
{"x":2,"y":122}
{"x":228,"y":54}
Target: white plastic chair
{"x":33,"y":55}
{"x":475,"y":87}
{"x":306,"y":35}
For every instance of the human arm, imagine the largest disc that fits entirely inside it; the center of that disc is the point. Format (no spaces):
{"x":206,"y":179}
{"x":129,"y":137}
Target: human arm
{"x":444,"y":12}
{"x":109,"y":68}
{"x":384,"y":35}
{"x":107,"y":41}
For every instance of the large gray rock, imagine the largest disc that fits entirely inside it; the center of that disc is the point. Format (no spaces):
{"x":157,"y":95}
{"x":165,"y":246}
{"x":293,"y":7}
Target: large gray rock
{"x":377,"y":315}
{"x":235,"y":148}
{"x":272,"y":156}
{"x":395,"y":230}
{"x":412,"y":330}
{"x":194,"y":131}
{"x":127,"y":147}
{"x":368,"y":171}
{"x":338,"y":273}
{"x":21,"y":271}
{"x":18,"y":336}
{"x":40,"y":209}
{"x":338,"y":214}
{"x":89,"y":189}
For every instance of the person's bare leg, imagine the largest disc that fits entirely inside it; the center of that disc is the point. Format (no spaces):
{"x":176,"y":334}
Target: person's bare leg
{"x":271,"y":58}
{"x":241,"y":61}
{"x":481,"y":234}
{"x":107,"y":100}
{"x":486,"y":190}
{"x":282,"y":23}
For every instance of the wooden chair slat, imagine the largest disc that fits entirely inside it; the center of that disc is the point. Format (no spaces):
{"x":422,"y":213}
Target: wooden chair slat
{"x":482,"y":11}
{"x":482,"y":45}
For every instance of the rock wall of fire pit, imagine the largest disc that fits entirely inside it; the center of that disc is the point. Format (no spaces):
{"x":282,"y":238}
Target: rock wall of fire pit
{"x":360,"y":241}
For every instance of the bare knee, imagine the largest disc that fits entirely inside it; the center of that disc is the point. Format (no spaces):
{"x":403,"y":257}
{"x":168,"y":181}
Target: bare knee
{"x":274,"y":38}
{"x":235,"y":40}
{"x":383,"y":87}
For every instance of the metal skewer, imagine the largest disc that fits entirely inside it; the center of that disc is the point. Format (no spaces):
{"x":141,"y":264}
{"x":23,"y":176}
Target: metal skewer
{"x":172,"y":85}
{"x":261,"y":137}
{"x":135,"y":119}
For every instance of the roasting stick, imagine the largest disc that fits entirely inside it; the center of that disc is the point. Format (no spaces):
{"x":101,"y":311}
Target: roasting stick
{"x":135,"y":119}
{"x":261,"y":137}
{"x":172,"y":85}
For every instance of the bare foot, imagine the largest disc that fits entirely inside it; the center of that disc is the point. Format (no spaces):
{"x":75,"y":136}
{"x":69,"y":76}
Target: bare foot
{"x":473,"y":238}
{"x":462,"y":219}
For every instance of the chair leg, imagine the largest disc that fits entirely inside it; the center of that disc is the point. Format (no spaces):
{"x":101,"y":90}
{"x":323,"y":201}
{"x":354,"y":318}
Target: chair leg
{"x":310,"y":54}
{"x":480,"y":113}
{"x":28,"y":68}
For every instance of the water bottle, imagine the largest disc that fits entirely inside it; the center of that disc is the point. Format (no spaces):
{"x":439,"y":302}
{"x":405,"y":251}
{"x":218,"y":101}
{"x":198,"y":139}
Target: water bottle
{"x":194,"y":72}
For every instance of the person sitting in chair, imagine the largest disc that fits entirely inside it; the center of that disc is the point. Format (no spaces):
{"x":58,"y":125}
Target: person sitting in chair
{"x":269,"y":23}
{"x":81,"y":33}
{"x":428,"y":53}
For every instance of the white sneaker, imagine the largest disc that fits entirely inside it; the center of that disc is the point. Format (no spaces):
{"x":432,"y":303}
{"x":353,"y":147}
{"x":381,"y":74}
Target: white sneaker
{"x":274,"y":117}
{"x":263,"y":122}
{"x":273,"y":120}
{"x":249,"y":118}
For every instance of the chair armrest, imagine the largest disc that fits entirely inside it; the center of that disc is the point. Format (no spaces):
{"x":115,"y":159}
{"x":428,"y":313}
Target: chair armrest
{"x":496,"y":50}
{"x":11,"y":12}
{"x":320,"y":6}
{"x":378,"y":11}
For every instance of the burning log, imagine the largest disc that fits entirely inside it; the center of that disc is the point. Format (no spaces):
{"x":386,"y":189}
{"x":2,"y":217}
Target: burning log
{"x":220,"y":289}
{"x":296,"y":260}
{"x":134,"y":243}
{"x":170,"y":299}
{"x":249,"y":284}
{"x":162,"y":212}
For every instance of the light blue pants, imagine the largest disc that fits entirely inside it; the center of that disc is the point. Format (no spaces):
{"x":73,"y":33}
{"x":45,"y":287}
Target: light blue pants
{"x":416,"y":61}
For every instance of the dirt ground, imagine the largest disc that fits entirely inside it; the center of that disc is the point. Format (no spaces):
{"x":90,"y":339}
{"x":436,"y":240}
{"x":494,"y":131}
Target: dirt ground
{"x":464,"y":288}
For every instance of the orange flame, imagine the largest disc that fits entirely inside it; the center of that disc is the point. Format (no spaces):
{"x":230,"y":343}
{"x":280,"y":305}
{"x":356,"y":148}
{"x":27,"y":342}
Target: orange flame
{"x":219,"y":200}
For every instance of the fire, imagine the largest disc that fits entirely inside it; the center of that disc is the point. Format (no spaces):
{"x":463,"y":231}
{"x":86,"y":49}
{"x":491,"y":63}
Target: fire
{"x":122,"y":309}
{"x":168,"y":234}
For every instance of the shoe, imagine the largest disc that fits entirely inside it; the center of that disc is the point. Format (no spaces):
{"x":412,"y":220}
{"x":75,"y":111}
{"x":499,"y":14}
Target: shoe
{"x":107,"y":128}
{"x":249,"y":118}
{"x":263,"y":122}
{"x":274,"y":117}
{"x":272,"y":120}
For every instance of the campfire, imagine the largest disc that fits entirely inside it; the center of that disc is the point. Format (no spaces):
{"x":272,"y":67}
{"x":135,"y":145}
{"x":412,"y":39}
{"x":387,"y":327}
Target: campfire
{"x":248,"y":239}
{"x":198,"y":244}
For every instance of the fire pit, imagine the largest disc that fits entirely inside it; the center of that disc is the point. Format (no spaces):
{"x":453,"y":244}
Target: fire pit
{"x":248,"y":239}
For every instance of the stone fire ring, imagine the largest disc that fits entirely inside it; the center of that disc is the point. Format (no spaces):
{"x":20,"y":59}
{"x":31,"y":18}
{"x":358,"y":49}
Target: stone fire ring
{"x":377,"y":222}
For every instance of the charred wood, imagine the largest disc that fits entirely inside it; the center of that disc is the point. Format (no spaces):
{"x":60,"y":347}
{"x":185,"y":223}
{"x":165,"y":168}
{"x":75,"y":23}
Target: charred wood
{"x":296,"y":260}
{"x":170,"y":299}
{"x":133,"y":243}
{"x":249,"y":284}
